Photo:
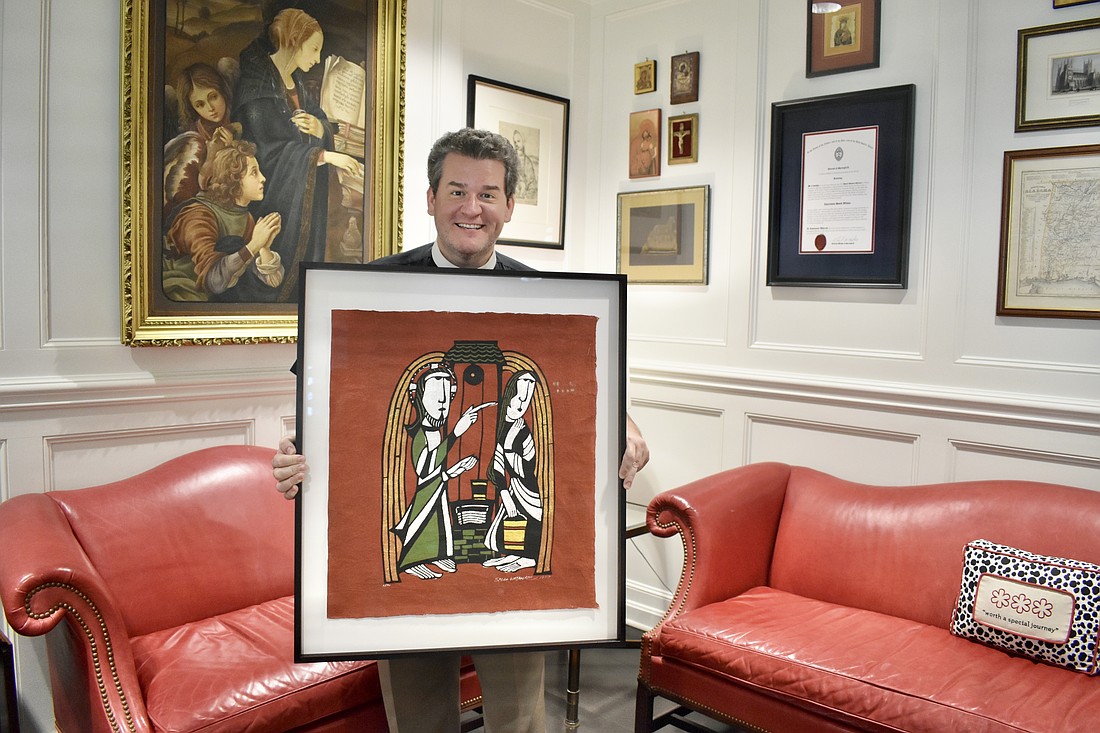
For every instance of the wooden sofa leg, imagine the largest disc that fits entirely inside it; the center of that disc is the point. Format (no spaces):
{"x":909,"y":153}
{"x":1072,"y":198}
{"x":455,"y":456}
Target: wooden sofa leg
{"x":643,"y":710}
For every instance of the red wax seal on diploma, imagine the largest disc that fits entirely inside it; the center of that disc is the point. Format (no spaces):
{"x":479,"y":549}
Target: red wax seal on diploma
{"x":820,"y":242}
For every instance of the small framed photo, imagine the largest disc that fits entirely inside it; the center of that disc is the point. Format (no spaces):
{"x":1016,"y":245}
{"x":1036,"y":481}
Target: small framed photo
{"x":464,"y":430}
{"x":841,"y":177}
{"x":843,"y":40}
{"x":645,"y":76}
{"x":645,"y":144}
{"x":684,"y":85}
{"x":663,"y":235}
{"x":1071,"y":3}
{"x":1045,"y":269}
{"x":1057,"y":84}
{"x":683,"y":139}
{"x":537,"y":124}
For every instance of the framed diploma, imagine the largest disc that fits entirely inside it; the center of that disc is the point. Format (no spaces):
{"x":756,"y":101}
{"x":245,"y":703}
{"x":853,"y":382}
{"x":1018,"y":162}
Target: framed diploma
{"x":463,"y":430}
{"x":841,"y":177}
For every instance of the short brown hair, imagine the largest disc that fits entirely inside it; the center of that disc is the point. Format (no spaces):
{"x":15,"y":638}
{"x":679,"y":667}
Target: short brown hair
{"x":479,"y":145}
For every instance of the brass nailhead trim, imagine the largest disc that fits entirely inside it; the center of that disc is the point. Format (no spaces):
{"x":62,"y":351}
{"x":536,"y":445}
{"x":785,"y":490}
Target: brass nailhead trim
{"x":75,"y":614}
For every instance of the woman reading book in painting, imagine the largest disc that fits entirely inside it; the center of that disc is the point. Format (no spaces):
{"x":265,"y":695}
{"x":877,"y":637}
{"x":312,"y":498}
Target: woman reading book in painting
{"x":293,"y":137}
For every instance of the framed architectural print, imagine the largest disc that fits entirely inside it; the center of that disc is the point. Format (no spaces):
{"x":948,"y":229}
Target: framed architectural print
{"x":841,"y":176}
{"x":464,"y":430}
{"x":684,"y":84}
{"x":645,"y":144}
{"x":1057,"y":84}
{"x":227,"y":187}
{"x":663,"y":235}
{"x":538,"y":126}
{"x":683,"y":139}
{"x":1049,"y":257}
{"x":645,"y":76}
{"x":843,"y":40}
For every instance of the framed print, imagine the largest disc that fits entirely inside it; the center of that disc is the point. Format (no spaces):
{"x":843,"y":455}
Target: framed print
{"x":1070,"y":3}
{"x":645,"y":144}
{"x":1050,"y":245}
{"x":645,"y":76}
{"x":841,"y":176}
{"x":464,"y":430}
{"x":1056,"y":80}
{"x":663,"y":235}
{"x":538,"y":126}
{"x":684,"y":85}
{"x":683,"y":139}
{"x":844,"y":40}
{"x":225,"y":186}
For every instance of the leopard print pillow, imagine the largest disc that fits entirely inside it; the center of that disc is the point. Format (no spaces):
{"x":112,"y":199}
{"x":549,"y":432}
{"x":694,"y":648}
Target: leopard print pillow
{"x":1045,"y":608}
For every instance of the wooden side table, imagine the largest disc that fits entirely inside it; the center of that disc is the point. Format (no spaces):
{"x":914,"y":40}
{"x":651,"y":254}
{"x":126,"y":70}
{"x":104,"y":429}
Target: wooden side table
{"x":9,"y":706}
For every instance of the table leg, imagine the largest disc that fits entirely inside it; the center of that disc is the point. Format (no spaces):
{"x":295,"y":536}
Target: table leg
{"x":573,"y":691}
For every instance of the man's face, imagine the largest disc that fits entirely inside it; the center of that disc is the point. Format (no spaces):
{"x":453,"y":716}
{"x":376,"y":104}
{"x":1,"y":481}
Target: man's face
{"x":437,"y":398}
{"x":470,"y":209}
{"x":252,"y":183}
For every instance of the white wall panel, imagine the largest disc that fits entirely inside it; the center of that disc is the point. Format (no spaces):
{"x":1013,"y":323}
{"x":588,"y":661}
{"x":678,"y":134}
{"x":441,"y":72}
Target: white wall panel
{"x":977,"y":461}
{"x":80,"y":460}
{"x":689,"y":441}
{"x":853,"y":452}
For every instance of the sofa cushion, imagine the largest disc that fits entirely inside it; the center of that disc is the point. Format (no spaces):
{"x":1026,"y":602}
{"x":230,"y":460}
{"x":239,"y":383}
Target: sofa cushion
{"x":876,"y":672}
{"x":1046,"y":608}
{"x":236,"y":672}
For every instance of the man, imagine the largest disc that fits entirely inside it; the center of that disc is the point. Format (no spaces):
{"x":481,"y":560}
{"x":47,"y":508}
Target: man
{"x":472,"y":177}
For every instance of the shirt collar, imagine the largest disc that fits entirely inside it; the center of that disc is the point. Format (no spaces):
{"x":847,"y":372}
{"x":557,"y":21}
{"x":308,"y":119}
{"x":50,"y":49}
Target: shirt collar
{"x":441,"y":261}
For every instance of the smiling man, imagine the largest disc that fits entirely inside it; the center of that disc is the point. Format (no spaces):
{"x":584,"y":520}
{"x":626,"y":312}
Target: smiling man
{"x":472,"y":178}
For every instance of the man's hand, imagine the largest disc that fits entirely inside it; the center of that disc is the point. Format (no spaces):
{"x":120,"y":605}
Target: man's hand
{"x":288,"y":467}
{"x":462,"y":466}
{"x":636,"y":455}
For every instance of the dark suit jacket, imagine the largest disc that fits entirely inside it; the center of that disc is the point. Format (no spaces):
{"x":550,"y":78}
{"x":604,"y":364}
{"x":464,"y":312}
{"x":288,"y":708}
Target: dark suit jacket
{"x":422,"y":257}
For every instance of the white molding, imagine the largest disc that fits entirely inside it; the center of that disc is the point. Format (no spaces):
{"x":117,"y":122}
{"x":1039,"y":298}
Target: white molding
{"x":645,"y":605}
{"x":1078,"y":415}
{"x":49,"y":393}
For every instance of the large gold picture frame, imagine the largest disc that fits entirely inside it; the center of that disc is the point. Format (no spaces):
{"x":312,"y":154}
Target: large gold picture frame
{"x":162,"y":38}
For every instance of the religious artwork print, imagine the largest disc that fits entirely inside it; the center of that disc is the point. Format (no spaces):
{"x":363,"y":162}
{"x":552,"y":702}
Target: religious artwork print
{"x":461,"y":476}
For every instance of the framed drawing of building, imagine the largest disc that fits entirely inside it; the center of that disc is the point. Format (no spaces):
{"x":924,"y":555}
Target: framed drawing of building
{"x":463,"y":429}
{"x":254,"y":136}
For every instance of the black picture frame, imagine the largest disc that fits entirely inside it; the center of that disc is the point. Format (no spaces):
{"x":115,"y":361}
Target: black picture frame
{"x":798,"y":209}
{"x":522,"y":114}
{"x":370,"y":340}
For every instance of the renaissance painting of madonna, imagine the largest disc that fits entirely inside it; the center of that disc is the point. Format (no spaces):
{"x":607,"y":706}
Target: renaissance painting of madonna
{"x":260,"y":123}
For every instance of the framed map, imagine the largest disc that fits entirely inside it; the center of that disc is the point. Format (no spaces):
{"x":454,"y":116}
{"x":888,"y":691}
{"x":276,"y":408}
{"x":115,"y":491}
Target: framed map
{"x":1050,"y":233}
{"x":463,"y":429}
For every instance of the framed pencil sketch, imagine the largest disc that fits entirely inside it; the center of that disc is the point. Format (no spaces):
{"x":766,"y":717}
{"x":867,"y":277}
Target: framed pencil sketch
{"x":645,"y":76}
{"x":226,"y":185}
{"x":663,"y":235}
{"x":645,"y":144}
{"x":537,"y":124}
{"x":1049,"y":210}
{"x":464,"y":430}
{"x":683,"y":139}
{"x":841,"y":177}
{"x":844,"y":40}
{"x":684,"y":84}
{"x":1057,"y":85}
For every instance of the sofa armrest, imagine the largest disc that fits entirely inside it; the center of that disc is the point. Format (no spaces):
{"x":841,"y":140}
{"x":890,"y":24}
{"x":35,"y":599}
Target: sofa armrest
{"x":727,"y":523}
{"x":46,"y":577}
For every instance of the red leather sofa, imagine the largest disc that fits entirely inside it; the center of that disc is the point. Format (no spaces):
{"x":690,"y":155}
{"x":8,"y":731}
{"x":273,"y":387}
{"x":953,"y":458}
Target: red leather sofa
{"x":168,"y":602}
{"x":810,"y":603}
